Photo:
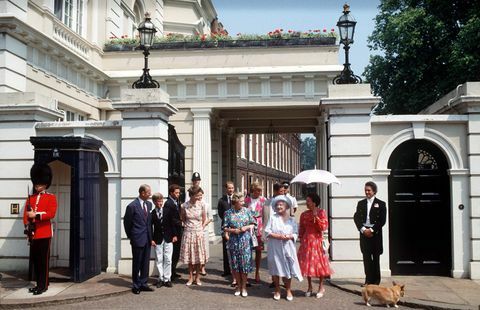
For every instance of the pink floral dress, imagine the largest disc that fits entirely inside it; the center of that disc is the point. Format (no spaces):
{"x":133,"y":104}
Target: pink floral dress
{"x":192,"y":250}
{"x":257,"y":213}
{"x":311,"y":256}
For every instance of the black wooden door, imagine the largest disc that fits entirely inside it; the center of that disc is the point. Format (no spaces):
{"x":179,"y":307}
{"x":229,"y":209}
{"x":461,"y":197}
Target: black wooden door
{"x":419,"y":210}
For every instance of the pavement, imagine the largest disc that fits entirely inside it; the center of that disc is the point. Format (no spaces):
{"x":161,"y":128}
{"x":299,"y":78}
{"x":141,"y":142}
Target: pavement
{"x":426,"y":292}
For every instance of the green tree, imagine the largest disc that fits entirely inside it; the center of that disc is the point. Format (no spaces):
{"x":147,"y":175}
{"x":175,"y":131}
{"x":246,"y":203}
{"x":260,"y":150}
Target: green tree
{"x":308,"y":153}
{"x":429,"y":47}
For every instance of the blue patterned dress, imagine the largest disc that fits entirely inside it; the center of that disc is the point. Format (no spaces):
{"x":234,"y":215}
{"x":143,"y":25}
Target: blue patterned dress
{"x":239,"y":246}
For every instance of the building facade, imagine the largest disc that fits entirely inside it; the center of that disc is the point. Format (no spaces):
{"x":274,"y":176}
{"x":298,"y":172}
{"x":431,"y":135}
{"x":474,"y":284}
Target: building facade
{"x":267,"y":160}
{"x":67,"y":101}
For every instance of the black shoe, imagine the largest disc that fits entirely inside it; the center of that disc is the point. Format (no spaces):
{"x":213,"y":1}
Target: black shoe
{"x":160,"y":284}
{"x":146,"y":289}
{"x":136,"y":291}
{"x":38,"y":291}
{"x":226,"y":274}
{"x":168,"y":284}
{"x":32,"y":289}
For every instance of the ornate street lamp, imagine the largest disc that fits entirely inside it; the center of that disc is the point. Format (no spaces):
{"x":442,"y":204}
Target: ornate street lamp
{"x":271,"y":136}
{"x":146,"y":30}
{"x":346,"y":26}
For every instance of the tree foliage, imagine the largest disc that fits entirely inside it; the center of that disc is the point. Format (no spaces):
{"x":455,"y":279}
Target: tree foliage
{"x":308,"y":153}
{"x":428,"y":46}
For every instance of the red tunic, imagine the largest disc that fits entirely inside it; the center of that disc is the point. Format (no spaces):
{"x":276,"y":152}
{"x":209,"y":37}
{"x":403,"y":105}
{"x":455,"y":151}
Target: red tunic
{"x":311,"y":256}
{"x":46,"y":209}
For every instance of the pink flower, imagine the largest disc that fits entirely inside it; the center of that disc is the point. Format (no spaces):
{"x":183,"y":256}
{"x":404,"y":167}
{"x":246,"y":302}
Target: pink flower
{"x":332,"y":30}
{"x":324,"y":30}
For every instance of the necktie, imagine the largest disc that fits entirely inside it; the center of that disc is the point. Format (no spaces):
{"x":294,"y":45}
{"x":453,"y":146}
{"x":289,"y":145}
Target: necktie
{"x":145,"y":208}
{"x":229,"y":201}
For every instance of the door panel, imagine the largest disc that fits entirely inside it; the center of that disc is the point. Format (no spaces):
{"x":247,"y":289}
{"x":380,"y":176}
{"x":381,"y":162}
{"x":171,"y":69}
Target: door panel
{"x":419,"y":210}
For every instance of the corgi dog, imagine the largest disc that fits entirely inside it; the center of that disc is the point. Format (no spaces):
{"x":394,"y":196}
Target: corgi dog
{"x":385,"y":295}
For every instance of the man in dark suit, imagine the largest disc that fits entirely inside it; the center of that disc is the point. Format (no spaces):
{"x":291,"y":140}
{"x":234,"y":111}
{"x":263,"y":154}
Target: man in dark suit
{"x":164,"y":235}
{"x":138,"y":227}
{"x":369,"y":218}
{"x":173,"y":204}
{"x":224,"y":204}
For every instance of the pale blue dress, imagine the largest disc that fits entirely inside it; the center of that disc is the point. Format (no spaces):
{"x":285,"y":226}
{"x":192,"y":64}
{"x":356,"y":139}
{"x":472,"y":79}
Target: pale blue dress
{"x":282,"y":255}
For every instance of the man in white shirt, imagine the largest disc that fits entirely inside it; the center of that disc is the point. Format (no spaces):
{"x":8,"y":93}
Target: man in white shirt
{"x":293,"y":209}
{"x":370,"y":216}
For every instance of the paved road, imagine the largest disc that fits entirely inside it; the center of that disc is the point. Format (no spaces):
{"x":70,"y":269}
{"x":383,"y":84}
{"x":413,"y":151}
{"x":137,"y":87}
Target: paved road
{"x":215,"y":293}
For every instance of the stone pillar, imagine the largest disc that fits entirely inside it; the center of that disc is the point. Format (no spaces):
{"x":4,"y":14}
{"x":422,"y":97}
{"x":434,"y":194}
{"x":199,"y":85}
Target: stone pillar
{"x":461,"y":251}
{"x":347,"y":110}
{"x":202,"y":149}
{"x":13,"y":68}
{"x":144,"y":150}
{"x":114,"y":220}
{"x":474,"y":164}
{"x":19,"y":113}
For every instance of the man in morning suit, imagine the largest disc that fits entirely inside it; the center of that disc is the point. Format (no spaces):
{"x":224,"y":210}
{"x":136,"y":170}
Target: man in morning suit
{"x":137,"y":222}
{"x":369,"y":218}
{"x":173,"y":204}
{"x":164,"y":235}
{"x":40,"y":208}
{"x":224,"y":204}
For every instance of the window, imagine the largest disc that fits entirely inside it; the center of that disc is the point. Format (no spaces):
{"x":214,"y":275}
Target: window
{"x":71,"y":13}
{"x":69,"y":116}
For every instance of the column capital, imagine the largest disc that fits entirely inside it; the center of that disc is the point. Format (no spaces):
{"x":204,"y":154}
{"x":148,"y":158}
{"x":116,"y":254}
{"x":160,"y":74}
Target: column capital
{"x":201,"y":112}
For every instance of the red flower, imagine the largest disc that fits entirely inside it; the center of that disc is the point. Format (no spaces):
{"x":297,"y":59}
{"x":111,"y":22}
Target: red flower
{"x":290,"y":31}
{"x":324,"y":30}
{"x":332,"y":30}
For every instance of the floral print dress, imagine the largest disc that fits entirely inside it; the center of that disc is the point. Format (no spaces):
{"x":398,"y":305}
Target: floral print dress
{"x":192,"y":250}
{"x":239,"y":246}
{"x":311,"y":255}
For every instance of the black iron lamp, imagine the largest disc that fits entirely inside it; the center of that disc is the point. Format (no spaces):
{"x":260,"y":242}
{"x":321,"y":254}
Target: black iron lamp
{"x":346,"y":26}
{"x":147,"y":31}
{"x":271,"y":136}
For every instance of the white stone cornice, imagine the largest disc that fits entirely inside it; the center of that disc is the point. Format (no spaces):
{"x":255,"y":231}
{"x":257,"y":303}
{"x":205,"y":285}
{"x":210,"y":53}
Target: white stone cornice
{"x":257,"y":70}
{"x":379,"y":119}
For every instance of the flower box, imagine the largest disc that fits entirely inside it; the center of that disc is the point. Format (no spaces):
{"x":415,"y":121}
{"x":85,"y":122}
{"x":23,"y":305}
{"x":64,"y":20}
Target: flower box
{"x":272,"y":42}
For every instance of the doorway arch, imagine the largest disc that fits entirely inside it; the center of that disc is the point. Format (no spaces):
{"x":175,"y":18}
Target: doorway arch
{"x":419,"y":215}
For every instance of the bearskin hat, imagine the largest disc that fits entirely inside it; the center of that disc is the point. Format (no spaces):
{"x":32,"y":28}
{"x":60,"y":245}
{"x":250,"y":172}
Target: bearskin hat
{"x":41,"y":174}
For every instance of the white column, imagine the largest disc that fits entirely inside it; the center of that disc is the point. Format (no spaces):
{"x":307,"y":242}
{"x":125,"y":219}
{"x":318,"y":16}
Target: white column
{"x":380,"y":177}
{"x":144,"y":152}
{"x":114,"y":220}
{"x":461,"y":248}
{"x":202,"y":149}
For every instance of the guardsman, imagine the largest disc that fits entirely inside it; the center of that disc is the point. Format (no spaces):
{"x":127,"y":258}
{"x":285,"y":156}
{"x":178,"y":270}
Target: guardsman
{"x":40,"y":208}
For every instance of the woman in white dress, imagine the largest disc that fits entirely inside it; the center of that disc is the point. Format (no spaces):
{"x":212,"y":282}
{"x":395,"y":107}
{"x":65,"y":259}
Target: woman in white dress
{"x":281,"y":232}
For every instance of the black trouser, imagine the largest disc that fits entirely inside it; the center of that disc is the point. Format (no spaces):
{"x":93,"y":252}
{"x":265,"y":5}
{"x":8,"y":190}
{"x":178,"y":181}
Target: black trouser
{"x":40,"y":256}
{"x":371,"y":264}
{"x":226,"y":264}
{"x":140,"y":266}
{"x":176,"y":254}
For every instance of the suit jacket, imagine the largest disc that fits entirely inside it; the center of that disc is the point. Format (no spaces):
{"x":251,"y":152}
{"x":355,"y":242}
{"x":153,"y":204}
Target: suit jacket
{"x":170,"y":204}
{"x":164,"y":229}
{"x":378,"y":217}
{"x":223,"y":206}
{"x":138,"y":227}
{"x":46,"y":210}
